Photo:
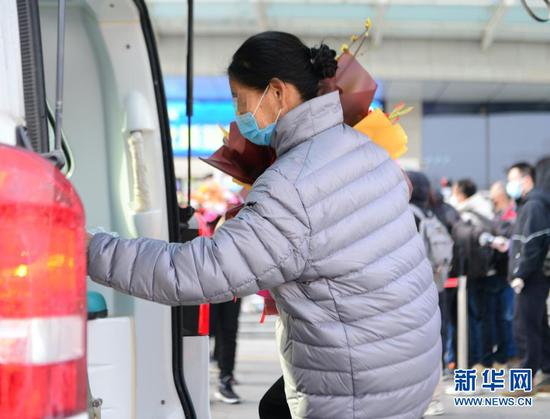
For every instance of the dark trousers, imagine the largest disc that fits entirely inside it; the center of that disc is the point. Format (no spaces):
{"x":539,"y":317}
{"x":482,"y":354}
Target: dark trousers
{"x":474,"y":321}
{"x":451,"y":320}
{"x":493,"y":327}
{"x":273,"y":404}
{"x":224,"y":325}
{"x":531,"y":323}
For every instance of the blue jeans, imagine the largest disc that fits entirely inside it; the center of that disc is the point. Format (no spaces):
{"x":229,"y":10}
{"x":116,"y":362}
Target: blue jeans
{"x":474,"y":348}
{"x":474,"y":324}
{"x":509,"y":303}
{"x":493,"y":327}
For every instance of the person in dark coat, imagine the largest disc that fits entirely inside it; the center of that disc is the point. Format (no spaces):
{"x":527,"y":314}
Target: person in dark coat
{"x":505,"y":218}
{"x":529,"y":250}
{"x":421,"y":198}
{"x":494,"y":290}
{"x":473,"y":260}
{"x":449,"y":216}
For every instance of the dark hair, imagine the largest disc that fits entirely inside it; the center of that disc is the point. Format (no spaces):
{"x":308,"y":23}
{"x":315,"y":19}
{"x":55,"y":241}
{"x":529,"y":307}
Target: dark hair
{"x":281,"y":55}
{"x":467,"y":187}
{"x":420,"y":195}
{"x":524,"y":168}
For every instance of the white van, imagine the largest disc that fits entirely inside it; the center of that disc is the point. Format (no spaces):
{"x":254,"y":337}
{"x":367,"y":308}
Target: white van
{"x":144,"y":360}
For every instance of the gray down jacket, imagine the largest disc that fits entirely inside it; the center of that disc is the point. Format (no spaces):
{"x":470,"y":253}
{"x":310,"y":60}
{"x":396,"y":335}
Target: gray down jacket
{"x":327,"y":228}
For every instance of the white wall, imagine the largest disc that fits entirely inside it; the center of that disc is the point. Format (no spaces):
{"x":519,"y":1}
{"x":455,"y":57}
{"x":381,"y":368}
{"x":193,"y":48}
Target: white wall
{"x":393,"y":60}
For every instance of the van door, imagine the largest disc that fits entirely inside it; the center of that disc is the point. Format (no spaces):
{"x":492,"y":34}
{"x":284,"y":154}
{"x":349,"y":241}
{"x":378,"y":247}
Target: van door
{"x":190,"y":347}
{"x":116,"y":128}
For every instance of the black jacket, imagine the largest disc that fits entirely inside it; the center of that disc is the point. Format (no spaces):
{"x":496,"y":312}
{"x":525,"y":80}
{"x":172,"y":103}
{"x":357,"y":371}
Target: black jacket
{"x":531,"y":237}
{"x":447,"y":214}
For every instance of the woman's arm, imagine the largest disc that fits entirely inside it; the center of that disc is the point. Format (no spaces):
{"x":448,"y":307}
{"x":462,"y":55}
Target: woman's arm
{"x":264,"y":246}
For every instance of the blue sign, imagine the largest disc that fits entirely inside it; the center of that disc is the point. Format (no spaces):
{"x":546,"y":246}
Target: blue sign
{"x":212,"y":107}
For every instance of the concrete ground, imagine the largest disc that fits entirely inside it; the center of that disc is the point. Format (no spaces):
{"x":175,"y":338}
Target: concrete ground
{"x":257,"y":368}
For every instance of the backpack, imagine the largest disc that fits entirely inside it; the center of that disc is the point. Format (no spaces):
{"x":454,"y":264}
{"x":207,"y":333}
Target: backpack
{"x":477,"y":260}
{"x":438,"y":243}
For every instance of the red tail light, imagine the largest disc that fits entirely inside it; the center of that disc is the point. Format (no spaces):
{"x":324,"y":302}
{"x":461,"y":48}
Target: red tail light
{"x":42,"y":291}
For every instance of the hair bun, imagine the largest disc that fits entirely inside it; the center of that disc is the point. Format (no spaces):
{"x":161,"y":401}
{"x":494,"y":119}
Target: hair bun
{"x":323,"y":60}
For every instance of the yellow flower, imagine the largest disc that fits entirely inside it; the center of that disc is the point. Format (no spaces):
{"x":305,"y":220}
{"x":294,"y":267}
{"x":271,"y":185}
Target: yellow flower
{"x":368,"y":24}
{"x":224,"y":131}
{"x":354,"y":38}
{"x":344,"y":47}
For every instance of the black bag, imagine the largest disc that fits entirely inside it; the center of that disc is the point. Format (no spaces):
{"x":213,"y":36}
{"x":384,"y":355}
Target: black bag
{"x":477,"y":260}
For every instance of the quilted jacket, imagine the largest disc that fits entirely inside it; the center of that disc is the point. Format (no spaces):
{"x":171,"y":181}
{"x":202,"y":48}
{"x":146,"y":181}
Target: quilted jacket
{"x":328,"y":229}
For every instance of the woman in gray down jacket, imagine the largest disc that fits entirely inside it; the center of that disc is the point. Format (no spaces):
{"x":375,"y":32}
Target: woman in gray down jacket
{"x":327,"y":229}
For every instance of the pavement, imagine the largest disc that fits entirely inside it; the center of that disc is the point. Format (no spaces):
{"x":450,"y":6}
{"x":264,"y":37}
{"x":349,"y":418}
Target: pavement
{"x":257,"y":368}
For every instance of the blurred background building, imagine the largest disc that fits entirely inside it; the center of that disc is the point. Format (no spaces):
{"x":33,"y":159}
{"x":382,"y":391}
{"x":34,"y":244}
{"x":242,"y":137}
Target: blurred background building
{"x":476,"y":71}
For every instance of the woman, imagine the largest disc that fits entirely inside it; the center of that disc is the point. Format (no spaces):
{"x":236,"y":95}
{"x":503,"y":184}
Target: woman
{"x":327,"y":229}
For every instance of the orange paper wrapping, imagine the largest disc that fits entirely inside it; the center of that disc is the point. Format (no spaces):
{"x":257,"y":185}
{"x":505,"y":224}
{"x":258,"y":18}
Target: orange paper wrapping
{"x":381,"y":131}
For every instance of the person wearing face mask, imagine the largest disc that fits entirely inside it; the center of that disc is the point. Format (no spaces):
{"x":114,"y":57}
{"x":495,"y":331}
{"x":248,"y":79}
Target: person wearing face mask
{"x":529,"y":250}
{"x":439,"y":247}
{"x":521,"y":180}
{"x":328,"y":230}
{"x":505,"y":218}
{"x":472,"y":260}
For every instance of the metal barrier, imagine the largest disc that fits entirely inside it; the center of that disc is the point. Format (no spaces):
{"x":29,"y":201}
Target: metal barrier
{"x":462,"y":323}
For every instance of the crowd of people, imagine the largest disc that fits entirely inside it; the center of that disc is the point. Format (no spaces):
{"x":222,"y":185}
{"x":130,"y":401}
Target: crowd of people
{"x":500,"y":242}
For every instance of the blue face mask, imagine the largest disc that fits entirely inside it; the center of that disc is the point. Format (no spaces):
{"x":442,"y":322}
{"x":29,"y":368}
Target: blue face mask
{"x":513,"y":189}
{"x":248,"y":126}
